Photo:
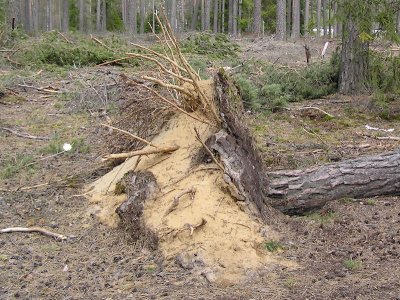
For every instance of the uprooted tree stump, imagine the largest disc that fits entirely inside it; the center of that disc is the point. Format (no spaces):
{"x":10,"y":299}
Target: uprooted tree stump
{"x":207,"y":202}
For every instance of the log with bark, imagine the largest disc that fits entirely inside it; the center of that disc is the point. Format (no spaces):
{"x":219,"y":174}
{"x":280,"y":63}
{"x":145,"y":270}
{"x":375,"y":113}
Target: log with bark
{"x":297,"y":191}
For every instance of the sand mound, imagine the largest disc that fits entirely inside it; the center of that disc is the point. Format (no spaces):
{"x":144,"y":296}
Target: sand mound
{"x":227,"y":242}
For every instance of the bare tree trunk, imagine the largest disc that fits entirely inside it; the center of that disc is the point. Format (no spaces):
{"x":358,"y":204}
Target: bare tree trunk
{"x":306,"y":17}
{"x":65,"y":16}
{"x":281,"y":20}
{"x":234,"y":17}
{"x":223,"y":16}
{"x":195,"y":15}
{"x":257,"y":26}
{"x":49,"y":15}
{"x":103,"y":15}
{"x":35,"y":17}
{"x":318,"y":18}
{"x":354,"y":60}
{"x":297,"y":191}
{"x":98,"y":15}
{"x":81,"y":7}
{"x":132,"y":16}
{"x":215,"y":23}
{"x":230,"y":16}
{"x":398,"y":22}
{"x":296,"y":19}
{"x":289,"y":17}
{"x":182,"y":19}
{"x":142,"y":15}
{"x":173,"y":20}
{"x":324,"y":13}
{"x":239,"y":21}
{"x":207,"y":14}
{"x":202,"y":16}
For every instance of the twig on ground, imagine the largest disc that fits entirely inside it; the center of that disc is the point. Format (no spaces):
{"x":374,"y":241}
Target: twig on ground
{"x":208,"y":150}
{"x":175,"y":202}
{"x":12,"y":61}
{"x":24,"y":135}
{"x":65,"y":38}
{"x":113,"y":61}
{"x":130,"y":134}
{"x":141,"y":152}
{"x":311,"y":107}
{"x":40,"y":89}
{"x":35,"y":229}
{"x":311,"y":132}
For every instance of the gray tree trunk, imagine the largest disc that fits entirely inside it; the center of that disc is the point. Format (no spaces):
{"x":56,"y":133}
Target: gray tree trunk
{"x":215,"y":23}
{"x":297,"y":191}
{"x":182,"y":20}
{"x":173,"y":21}
{"x":35,"y":16}
{"x":142,"y":15}
{"x":319,"y":18}
{"x":289,"y":17}
{"x":230,"y":16}
{"x":354,"y":60}
{"x":132,"y":16}
{"x":398,"y":22}
{"x":49,"y":9}
{"x":239,"y":20}
{"x":98,"y":15}
{"x":257,"y":25}
{"x":281,"y":20}
{"x":65,"y":16}
{"x":324,"y":14}
{"x":103,"y":15}
{"x":202,"y":16}
{"x":234,"y":17}
{"x":296,"y":19}
{"x":207,"y":14}
{"x":195,"y":15}
{"x":223,"y":16}
{"x":306,"y":17}
{"x":81,"y":8}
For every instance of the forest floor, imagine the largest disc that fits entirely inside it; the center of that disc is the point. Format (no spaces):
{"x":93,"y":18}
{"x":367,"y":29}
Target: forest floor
{"x":348,"y":250}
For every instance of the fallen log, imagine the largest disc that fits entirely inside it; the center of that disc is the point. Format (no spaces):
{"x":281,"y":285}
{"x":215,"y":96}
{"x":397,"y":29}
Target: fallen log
{"x":298,"y":191}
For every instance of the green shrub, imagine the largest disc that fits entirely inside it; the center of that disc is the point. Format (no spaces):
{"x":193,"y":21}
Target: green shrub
{"x":249,"y":92}
{"x":384,"y":74}
{"x":13,"y":166}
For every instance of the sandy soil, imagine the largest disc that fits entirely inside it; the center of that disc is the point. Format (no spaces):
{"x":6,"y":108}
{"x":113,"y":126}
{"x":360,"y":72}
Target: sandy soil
{"x":349,"y":250}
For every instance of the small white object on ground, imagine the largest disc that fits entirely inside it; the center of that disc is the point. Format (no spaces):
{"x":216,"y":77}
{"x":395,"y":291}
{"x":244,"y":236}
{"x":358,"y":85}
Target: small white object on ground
{"x":378,"y":129}
{"x":67,"y":147}
{"x":324,"y":50}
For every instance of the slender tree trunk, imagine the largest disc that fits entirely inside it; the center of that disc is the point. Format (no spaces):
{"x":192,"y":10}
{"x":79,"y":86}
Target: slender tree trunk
{"x":319,"y":18}
{"x":35,"y":17}
{"x":257,"y":26}
{"x":215,"y":23}
{"x":65,"y":16}
{"x":195,"y":15}
{"x":223,"y":16}
{"x":103,"y":15}
{"x":234,"y":17}
{"x":49,"y":15}
{"x":289,"y":17}
{"x":306,"y":17}
{"x":324,"y":13}
{"x":81,"y":8}
{"x":297,"y":191}
{"x":354,"y":60}
{"x":174,"y":20}
{"x":230,"y":16}
{"x":296,"y":19}
{"x":98,"y":15}
{"x":207,"y":14}
{"x":239,"y":21}
{"x":281,"y":20}
{"x":398,"y":22}
{"x":142,"y":15}
{"x":132,"y":16}
{"x":182,"y":19}
{"x":202,"y":16}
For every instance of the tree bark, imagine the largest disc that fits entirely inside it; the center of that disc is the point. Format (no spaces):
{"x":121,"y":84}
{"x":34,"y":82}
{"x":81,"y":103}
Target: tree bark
{"x":207,"y":14}
{"x":281,"y":20}
{"x":98,"y":15}
{"x":132,"y":17}
{"x":65,"y":16}
{"x":354,"y":60}
{"x":195,"y":14}
{"x":318,"y":18}
{"x":234,"y":17}
{"x":289,"y":17}
{"x":306,"y":17}
{"x":223,"y":16}
{"x":297,"y":191}
{"x":174,"y":23}
{"x":142,"y":16}
{"x":215,"y":23}
{"x":230,"y":16}
{"x":49,"y":15}
{"x":324,"y":13}
{"x":296,"y":19}
{"x":257,"y":17}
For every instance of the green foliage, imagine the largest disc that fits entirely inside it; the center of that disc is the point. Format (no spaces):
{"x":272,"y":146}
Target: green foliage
{"x":281,"y":85}
{"x":318,"y":218}
{"x":352,"y":264}
{"x":52,"y":50}
{"x":214,"y":46}
{"x":385,"y":73}
{"x":272,"y":246}
{"x":13,"y":166}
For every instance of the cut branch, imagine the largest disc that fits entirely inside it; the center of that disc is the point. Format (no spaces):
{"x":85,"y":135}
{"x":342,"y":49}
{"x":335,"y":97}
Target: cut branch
{"x":175,"y":202}
{"x":24,"y":135}
{"x":141,"y":152}
{"x":130,"y":134}
{"x":35,"y":229}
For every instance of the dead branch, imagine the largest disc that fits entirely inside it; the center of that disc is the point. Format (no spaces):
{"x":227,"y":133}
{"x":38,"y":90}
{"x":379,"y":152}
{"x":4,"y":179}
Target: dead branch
{"x":35,"y":229}
{"x":174,"y":105}
{"x":208,"y":150}
{"x":175,"y":202}
{"x":169,"y":86}
{"x":141,"y":152}
{"x":195,"y":226}
{"x":65,"y":38}
{"x":130,"y":134}
{"x":12,"y":61}
{"x":24,"y":135}
{"x":180,"y":77}
{"x":40,"y":89}
{"x":100,"y":43}
{"x":113,"y":61}
{"x":310,"y":107}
